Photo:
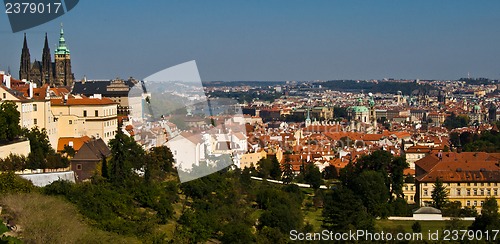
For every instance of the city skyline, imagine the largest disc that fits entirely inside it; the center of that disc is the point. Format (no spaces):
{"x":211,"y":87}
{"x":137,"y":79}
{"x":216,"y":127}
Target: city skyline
{"x":279,"y":40}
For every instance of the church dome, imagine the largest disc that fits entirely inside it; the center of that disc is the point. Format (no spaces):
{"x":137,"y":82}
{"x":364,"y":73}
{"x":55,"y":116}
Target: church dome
{"x":358,"y":109}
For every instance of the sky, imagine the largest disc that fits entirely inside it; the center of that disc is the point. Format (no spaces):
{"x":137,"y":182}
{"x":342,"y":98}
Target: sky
{"x":273,"y":39}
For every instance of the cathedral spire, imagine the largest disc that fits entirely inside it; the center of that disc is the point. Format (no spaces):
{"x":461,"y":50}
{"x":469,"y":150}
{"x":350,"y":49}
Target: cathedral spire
{"x":61,"y":48}
{"x":25,"y":44}
{"x":25,"y":65}
{"x":46,"y":63}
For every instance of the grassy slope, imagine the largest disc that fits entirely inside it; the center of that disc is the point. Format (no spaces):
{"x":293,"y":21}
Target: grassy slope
{"x":49,"y":219}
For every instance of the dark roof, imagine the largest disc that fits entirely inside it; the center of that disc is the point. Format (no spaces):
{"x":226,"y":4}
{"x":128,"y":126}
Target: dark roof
{"x":92,"y":150}
{"x":427,"y":210}
{"x":92,"y":87}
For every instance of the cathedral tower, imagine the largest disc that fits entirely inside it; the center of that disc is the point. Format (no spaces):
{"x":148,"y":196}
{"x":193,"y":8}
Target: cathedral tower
{"x":62,"y":70}
{"x":47,"y":74}
{"x":25,"y":67}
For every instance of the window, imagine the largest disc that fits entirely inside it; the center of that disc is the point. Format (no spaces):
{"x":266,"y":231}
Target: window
{"x":468,"y":184}
{"x":482,"y":202}
{"x":79,"y":167}
{"x":468,"y":204}
{"x":468,"y":192}
{"x":458,"y":192}
{"x":70,"y":122}
{"x":481,"y":192}
{"x":425,"y":184}
{"x":475,"y":184}
{"x":458,"y":184}
{"x":475,"y":193}
{"x":487,"y":192}
{"x":425,"y":193}
{"x":495,"y":192}
{"x":406,"y":187}
{"x":97,"y":113}
{"x":84,"y":113}
{"x":35,"y":121}
{"x":475,"y":203}
{"x":4,"y":95}
{"x":411,"y":198}
{"x":35,"y":107}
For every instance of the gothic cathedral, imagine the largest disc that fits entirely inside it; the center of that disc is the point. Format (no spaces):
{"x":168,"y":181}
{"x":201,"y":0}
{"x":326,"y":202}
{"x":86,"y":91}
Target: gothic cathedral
{"x":57,"y":73}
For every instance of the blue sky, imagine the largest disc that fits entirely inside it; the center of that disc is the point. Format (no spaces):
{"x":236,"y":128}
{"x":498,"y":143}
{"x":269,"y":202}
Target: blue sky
{"x":274,"y":39}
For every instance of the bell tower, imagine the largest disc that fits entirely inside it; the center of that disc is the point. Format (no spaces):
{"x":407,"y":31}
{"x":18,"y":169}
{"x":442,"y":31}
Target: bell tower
{"x":62,"y":70}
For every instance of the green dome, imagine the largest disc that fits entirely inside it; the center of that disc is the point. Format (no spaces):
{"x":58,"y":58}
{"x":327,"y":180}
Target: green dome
{"x":358,"y":109}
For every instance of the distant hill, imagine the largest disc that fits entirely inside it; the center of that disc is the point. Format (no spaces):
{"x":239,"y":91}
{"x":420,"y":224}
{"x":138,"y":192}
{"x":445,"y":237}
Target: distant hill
{"x":407,"y":88}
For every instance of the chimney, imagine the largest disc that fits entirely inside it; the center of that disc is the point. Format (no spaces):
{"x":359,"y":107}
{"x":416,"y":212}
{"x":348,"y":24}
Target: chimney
{"x":6,"y":80}
{"x":31,"y":90}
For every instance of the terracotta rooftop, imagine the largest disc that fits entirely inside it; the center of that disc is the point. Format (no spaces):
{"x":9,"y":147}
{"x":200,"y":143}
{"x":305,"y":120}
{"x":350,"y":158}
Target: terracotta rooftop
{"x":459,"y":167}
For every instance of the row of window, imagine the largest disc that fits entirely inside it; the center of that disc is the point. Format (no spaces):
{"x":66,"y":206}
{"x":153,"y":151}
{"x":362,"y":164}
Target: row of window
{"x":107,"y":112}
{"x":474,"y":192}
{"x":474,"y":203}
{"x":469,"y":184}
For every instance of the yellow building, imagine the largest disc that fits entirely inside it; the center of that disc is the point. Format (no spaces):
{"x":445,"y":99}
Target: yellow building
{"x":82,"y":116}
{"x":33,"y":105}
{"x":469,"y":177}
{"x":409,"y":191}
{"x":248,"y":159}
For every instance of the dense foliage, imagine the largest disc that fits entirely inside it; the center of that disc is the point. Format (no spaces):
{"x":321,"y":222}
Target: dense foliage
{"x":386,"y":87}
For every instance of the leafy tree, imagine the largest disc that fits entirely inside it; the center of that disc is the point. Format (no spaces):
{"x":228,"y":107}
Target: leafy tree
{"x":343,"y":211}
{"x":126,"y":156}
{"x":312,"y":176}
{"x":287,"y":171}
{"x":330,"y":173}
{"x":104,"y":168}
{"x":281,"y":217}
{"x":416,"y":227}
{"x":9,"y":121}
{"x":12,"y":183}
{"x":453,"y":121}
{"x":489,"y":218}
{"x":439,"y":195}
{"x":269,"y":167}
{"x":237,"y":233}
{"x":370,"y":186}
{"x":70,"y":151}
{"x":391,"y":167}
{"x":40,"y":148}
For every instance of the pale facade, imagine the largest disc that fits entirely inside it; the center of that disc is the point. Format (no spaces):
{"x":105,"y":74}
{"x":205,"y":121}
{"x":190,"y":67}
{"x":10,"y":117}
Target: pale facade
{"x":249,"y":159}
{"x":91,"y":117}
{"x":33,"y":112}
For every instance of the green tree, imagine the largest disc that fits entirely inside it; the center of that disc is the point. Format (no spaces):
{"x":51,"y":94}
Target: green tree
{"x":312,"y":176}
{"x":9,"y":121}
{"x":12,"y":183}
{"x":269,"y":167}
{"x":453,"y":121}
{"x":489,"y":218}
{"x":287,"y":171}
{"x":416,"y":227}
{"x":40,"y":148}
{"x":370,"y":186}
{"x":344,"y":211}
{"x":104,"y":168}
{"x":330,"y":173}
{"x":439,"y":195}
{"x":126,"y":156}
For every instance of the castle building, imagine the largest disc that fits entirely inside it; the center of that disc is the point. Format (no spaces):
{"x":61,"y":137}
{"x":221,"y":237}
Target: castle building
{"x":57,"y":73}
